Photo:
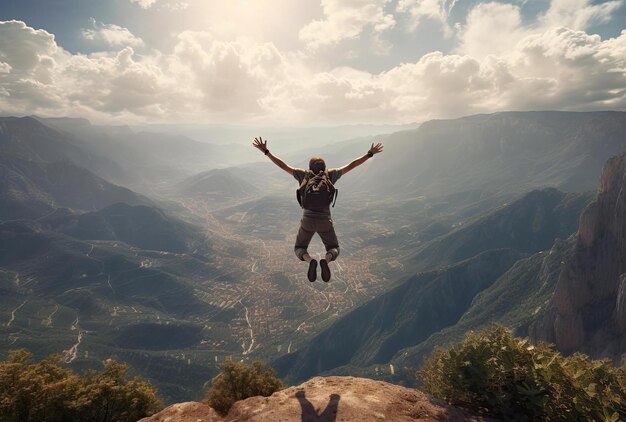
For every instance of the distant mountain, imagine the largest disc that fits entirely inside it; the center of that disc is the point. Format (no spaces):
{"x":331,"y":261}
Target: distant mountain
{"x":515,"y":300}
{"x":30,"y":189}
{"x":529,"y":224}
{"x":29,"y":139}
{"x":404,"y":316}
{"x":97,"y":266}
{"x":146,"y":158}
{"x":468,"y":261}
{"x":217,"y":184}
{"x":571,"y":295}
{"x":150,"y":157}
{"x":496,"y":154}
{"x":284,"y":139}
{"x":86,"y":262}
{"x":141,"y":226}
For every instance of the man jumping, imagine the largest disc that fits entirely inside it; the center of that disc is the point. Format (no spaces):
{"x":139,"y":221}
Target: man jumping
{"x":315,"y":194}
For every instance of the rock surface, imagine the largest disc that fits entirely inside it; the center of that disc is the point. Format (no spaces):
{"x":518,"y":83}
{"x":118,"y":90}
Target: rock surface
{"x":190,"y":411}
{"x":326,"y":399}
{"x":588,"y":310}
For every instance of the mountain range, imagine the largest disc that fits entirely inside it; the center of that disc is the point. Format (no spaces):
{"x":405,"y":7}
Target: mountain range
{"x":568,"y":292}
{"x":463,"y":264}
{"x":501,"y":153}
{"x":172,"y":254}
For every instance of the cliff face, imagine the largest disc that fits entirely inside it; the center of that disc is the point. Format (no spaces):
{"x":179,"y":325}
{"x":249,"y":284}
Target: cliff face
{"x":326,"y":399}
{"x":588,"y":310}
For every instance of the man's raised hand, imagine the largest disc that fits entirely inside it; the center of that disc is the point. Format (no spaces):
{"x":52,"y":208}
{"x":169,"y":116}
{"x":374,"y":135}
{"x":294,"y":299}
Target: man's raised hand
{"x":375,"y":149}
{"x":260,"y":144}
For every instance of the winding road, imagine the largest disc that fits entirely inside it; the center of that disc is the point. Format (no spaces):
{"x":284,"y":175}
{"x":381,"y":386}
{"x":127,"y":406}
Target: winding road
{"x":243,"y":345}
{"x":13,"y":313}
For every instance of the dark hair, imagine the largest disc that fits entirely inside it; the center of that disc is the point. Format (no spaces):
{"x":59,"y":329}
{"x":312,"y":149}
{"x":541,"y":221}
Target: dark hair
{"x":316,"y":164}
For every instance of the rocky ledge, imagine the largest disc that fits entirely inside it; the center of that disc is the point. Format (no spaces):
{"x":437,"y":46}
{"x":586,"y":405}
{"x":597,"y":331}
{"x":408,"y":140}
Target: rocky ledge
{"x":326,"y":399}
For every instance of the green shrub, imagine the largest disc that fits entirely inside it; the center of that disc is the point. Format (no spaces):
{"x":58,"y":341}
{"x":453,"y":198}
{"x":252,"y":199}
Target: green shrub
{"x":110,"y":396}
{"x":239,"y":381}
{"x":46,"y":391}
{"x":492,"y":372}
{"x":35,"y":391}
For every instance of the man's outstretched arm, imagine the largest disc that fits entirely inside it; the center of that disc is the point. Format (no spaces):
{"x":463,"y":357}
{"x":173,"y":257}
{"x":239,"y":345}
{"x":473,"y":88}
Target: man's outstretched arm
{"x":375,"y":149}
{"x":262,"y":146}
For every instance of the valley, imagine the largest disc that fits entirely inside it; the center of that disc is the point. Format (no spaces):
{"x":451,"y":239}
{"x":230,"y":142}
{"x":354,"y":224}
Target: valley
{"x":185,"y":270}
{"x":274,"y":303}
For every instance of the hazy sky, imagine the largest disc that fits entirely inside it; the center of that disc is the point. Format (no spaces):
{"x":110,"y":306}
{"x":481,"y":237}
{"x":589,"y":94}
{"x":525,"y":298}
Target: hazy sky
{"x":305,"y":62}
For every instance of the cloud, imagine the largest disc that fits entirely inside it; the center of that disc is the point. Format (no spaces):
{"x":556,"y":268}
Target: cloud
{"x":200,"y":79}
{"x":495,"y":28}
{"x":578,"y":14}
{"x":144,"y":4}
{"x":419,"y":10}
{"x":346,"y":19}
{"x":111,"y":35}
{"x":170,"y":5}
{"x":226,"y":77}
{"x":175,"y":6}
{"x":500,"y":64}
{"x":491,"y":28}
{"x":557,"y":69}
{"x":30,"y":57}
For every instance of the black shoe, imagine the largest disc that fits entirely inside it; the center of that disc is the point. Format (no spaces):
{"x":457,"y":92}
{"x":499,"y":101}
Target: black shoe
{"x":325,"y":270}
{"x":312,"y":274}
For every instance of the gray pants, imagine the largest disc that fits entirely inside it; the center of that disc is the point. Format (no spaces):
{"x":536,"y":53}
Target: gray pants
{"x":323,"y":226}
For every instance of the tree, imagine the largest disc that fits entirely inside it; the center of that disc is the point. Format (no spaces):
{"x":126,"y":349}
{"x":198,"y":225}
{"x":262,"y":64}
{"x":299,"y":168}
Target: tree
{"x":46,"y":391}
{"x":35,"y":391}
{"x":239,"y":381}
{"x":492,"y":372}
{"x":109,"y":396}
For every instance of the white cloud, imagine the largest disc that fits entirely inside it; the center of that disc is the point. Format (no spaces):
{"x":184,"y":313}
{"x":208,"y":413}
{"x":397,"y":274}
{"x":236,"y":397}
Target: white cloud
{"x":345,"y":19}
{"x":491,"y":28}
{"x":558,"y":69}
{"x":419,"y":10}
{"x":578,"y":14}
{"x":175,"y":6}
{"x":144,"y":4}
{"x":206,"y":79}
{"x":111,"y":35}
{"x":30,"y":55}
{"x":495,"y":28}
{"x":226,"y":77}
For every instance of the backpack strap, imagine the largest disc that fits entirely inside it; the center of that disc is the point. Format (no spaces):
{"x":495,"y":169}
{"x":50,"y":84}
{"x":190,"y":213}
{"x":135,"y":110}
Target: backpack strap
{"x":299,"y":198}
{"x":305,"y":180}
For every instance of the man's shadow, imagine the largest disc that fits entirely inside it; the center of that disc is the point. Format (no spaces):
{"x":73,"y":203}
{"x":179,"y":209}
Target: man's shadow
{"x":308,"y":410}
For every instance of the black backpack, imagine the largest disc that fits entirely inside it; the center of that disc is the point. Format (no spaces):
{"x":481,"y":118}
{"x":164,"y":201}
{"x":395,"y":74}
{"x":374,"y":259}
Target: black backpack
{"x":316,"y":192}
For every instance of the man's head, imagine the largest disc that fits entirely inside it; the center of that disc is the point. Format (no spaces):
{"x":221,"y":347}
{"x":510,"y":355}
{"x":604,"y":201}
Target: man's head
{"x":316,"y":164}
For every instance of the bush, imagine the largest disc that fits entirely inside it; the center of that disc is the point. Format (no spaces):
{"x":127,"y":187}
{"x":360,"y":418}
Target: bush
{"x":46,"y":391}
{"x":491,"y":372}
{"x":239,"y":381}
{"x":33,"y":392}
{"x":109,"y":396}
